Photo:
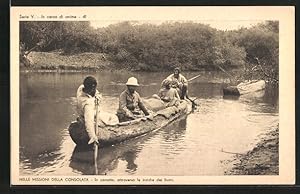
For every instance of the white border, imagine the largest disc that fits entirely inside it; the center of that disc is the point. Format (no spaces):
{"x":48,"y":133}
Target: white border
{"x":285,"y":16}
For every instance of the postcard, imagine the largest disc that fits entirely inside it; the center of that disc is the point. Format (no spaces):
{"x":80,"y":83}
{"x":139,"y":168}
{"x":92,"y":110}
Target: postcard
{"x":173,"y":95}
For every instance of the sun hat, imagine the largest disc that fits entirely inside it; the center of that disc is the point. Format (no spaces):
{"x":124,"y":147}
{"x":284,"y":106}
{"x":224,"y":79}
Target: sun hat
{"x":132,"y":81}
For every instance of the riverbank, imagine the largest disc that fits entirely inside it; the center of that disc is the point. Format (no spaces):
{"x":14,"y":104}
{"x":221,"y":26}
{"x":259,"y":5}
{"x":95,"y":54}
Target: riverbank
{"x":56,"y":61}
{"x":263,"y":159}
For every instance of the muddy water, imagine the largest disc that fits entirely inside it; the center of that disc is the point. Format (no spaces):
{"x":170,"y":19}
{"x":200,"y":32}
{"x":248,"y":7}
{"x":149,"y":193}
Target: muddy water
{"x":196,"y":145}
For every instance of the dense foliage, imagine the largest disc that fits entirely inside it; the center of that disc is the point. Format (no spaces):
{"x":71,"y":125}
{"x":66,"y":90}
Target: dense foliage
{"x":193,"y":46}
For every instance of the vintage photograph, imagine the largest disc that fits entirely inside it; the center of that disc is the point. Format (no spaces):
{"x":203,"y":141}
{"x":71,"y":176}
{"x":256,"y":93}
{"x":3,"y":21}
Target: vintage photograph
{"x":137,"y":97}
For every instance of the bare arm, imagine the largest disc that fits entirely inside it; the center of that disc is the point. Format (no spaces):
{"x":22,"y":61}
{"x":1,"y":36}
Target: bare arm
{"x":176,"y":94}
{"x":89,"y":120}
{"x":160,"y":93}
{"x":184,"y":81}
{"x":142,"y":106}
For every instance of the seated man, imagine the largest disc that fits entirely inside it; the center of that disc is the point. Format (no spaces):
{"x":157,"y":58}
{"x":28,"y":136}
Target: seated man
{"x":130,"y":104}
{"x":179,"y":82}
{"x":168,"y":94}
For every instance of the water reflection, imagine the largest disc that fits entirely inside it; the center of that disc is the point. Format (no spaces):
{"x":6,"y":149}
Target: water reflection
{"x":175,"y":131}
{"x":130,"y":157}
{"x":108,"y":158}
{"x":190,"y":146}
{"x":254,"y":97}
{"x":82,"y":159}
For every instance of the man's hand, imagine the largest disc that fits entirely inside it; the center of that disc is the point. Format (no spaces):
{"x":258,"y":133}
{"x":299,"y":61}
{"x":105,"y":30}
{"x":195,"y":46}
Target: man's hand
{"x":175,"y":84}
{"x":94,"y":140}
{"x":130,"y":106}
{"x":150,"y":117}
{"x":177,"y":102}
{"x":180,"y":85}
{"x":130,"y":114}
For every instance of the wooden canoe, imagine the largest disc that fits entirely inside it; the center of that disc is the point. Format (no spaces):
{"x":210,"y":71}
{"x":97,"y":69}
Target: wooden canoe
{"x":82,"y":157}
{"x":245,"y":88}
{"x":113,"y":134}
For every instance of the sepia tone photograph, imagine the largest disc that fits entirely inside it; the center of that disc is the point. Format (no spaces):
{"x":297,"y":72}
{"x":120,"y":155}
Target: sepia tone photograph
{"x":143,"y":97}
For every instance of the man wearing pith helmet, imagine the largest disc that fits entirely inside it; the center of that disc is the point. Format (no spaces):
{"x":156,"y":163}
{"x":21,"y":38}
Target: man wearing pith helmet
{"x":130,"y":104}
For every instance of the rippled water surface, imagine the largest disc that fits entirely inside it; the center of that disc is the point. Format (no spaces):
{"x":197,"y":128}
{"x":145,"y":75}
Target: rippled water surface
{"x":194,"y":145}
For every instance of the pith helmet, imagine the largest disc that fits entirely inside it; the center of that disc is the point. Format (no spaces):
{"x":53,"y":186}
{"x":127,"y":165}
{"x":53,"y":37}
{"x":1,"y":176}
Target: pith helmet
{"x":132,"y":81}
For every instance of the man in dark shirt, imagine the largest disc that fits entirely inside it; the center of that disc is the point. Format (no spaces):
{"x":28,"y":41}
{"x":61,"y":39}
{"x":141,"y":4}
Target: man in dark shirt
{"x":130,"y":104}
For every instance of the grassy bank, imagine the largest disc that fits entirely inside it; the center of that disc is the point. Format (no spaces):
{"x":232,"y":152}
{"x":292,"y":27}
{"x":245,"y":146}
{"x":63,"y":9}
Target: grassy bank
{"x":93,"y":62}
{"x":88,"y":61}
{"x":263,"y":159}
{"x":55,"y":61}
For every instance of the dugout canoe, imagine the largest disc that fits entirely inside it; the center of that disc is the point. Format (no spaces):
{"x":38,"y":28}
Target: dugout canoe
{"x":245,"y":88}
{"x":112,"y":134}
{"x":108,"y":157}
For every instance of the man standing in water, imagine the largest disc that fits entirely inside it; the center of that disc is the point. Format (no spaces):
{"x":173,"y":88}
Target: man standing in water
{"x":130,"y":104}
{"x":179,"y":82}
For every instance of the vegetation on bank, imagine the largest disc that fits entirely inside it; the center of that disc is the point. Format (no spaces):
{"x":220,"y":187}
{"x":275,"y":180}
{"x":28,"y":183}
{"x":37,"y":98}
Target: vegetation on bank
{"x":149,"y":47}
{"x":55,"y":61}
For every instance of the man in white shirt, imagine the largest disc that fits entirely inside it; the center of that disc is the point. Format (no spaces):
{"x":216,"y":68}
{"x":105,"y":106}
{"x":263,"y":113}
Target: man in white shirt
{"x":86,"y":106}
{"x":179,"y":82}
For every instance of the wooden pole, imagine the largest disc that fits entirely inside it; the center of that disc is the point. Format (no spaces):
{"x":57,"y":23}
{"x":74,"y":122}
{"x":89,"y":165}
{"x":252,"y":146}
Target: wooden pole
{"x":192,"y":101}
{"x":95,"y":143}
{"x":191,"y":79}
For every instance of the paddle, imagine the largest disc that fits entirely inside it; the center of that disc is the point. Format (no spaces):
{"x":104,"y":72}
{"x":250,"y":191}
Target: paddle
{"x":192,"y":101}
{"x":195,"y":77}
{"x":187,"y":97}
{"x":96,"y":132}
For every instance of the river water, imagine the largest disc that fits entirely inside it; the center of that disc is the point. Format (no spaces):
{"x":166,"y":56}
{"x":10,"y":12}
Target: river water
{"x":196,"y":145}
